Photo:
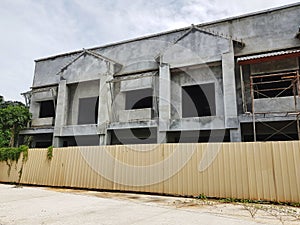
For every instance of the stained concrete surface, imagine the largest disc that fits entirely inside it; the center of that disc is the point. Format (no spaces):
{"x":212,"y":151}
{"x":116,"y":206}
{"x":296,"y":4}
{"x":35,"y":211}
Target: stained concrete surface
{"x":37,"y":205}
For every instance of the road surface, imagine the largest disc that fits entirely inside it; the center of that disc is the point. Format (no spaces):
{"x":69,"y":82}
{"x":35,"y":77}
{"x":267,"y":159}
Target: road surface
{"x":49,"y":206}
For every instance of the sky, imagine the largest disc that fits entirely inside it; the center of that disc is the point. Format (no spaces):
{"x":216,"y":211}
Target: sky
{"x":34,"y":29}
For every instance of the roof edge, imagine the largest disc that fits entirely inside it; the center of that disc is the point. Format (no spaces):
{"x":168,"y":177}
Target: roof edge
{"x":175,"y":30}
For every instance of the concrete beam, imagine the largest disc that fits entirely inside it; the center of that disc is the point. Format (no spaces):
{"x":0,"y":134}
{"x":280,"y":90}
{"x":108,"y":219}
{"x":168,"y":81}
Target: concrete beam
{"x":39,"y":122}
{"x":136,"y":84}
{"x":198,"y":123}
{"x":44,"y":95}
{"x":134,"y":124}
{"x":32,"y":131}
{"x":267,"y":117}
{"x":135,"y":115}
{"x":78,"y":130}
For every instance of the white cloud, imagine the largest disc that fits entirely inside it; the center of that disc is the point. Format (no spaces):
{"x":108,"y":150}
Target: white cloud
{"x":33,"y":29}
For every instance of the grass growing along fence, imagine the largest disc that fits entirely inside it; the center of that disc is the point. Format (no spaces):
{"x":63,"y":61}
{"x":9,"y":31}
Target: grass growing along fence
{"x":9,"y":155}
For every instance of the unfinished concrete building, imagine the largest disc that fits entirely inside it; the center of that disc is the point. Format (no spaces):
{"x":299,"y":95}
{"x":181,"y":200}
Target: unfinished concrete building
{"x":226,"y":81}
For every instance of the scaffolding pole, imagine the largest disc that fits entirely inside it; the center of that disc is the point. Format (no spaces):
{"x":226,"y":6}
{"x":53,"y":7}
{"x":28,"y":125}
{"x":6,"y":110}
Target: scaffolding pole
{"x":253,"y":108}
{"x":295,"y":85}
{"x":243,"y":90}
{"x":296,"y":102}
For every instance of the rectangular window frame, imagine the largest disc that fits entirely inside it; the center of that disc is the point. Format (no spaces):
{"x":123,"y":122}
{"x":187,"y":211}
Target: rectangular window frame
{"x":85,"y":115}
{"x":45,"y":111}
{"x":134,"y":99}
{"x":210,"y":110}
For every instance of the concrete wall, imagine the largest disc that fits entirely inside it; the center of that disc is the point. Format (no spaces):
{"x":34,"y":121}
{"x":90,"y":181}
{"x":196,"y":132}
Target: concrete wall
{"x":280,"y":105}
{"x":86,"y":68}
{"x":119,"y":92}
{"x":39,"y":122}
{"x":39,"y":95}
{"x":135,"y":115}
{"x":77,"y":91}
{"x":136,"y":84}
{"x":203,"y":75}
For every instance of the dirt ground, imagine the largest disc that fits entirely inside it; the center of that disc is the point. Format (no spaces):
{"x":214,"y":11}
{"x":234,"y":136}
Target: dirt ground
{"x":39,"y":205}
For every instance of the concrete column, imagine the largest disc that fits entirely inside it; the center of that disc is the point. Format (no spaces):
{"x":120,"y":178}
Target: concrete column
{"x":105,"y":104}
{"x":235,"y":135}
{"x":34,"y":108}
{"x":229,"y":89}
{"x":105,"y":139}
{"x":229,"y":93}
{"x":161,"y":137}
{"x":57,"y":142}
{"x":61,"y":112}
{"x":164,"y":102}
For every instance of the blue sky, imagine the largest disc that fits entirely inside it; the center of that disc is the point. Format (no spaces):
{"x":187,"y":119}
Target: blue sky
{"x":33,"y":29}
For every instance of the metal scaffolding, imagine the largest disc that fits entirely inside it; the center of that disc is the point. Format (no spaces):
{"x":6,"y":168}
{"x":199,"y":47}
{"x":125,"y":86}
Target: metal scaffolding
{"x":283,"y":83}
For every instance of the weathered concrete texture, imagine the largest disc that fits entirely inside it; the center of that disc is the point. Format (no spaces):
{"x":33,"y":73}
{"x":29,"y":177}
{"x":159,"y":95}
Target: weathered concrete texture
{"x":135,"y":115}
{"x":133,"y":124}
{"x":136,"y":84}
{"x":230,"y":105}
{"x":62,"y":107}
{"x":38,"y":122}
{"x":86,"y":68}
{"x":196,"y":48}
{"x":204,"y":74}
{"x":45,"y":94}
{"x":105,"y":103}
{"x":34,"y":131}
{"x":89,"y":129}
{"x":76,"y":92}
{"x":165,"y":96}
{"x":282,"y":104}
{"x":198,"y":123}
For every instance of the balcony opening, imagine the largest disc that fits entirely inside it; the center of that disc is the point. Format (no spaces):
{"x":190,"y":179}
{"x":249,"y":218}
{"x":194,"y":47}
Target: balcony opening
{"x":43,"y":144}
{"x":84,"y":140}
{"x":198,"y":136}
{"x":88,"y":110}
{"x":139,"y":99}
{"x":36,"y":140}
{"x":198,"y":100}
{"x":270,"y":131}
{"x":134,"y":136}
{"x":47,"y":109}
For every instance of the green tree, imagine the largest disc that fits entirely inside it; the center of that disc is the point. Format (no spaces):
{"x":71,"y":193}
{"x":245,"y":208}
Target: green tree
{"x":13,"y":117}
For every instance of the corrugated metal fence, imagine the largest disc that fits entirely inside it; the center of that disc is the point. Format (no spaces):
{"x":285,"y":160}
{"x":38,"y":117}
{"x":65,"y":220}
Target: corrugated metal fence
{"x":266,"y":171}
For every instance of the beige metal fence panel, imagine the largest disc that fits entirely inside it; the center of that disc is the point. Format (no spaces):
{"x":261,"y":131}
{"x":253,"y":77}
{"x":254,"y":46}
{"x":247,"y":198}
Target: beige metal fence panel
{"x":286,"y":157}
{"x":137,"y":167}
{"x":266,"y":171}
{"x":9,"y":174}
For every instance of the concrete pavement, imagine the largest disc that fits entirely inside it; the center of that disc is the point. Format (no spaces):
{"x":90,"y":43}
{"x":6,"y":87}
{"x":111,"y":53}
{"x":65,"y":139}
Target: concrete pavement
{"x":37,"y":205}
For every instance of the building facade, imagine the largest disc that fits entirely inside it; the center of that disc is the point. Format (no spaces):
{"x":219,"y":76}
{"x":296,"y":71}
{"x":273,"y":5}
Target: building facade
{"x":226,"y":81}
